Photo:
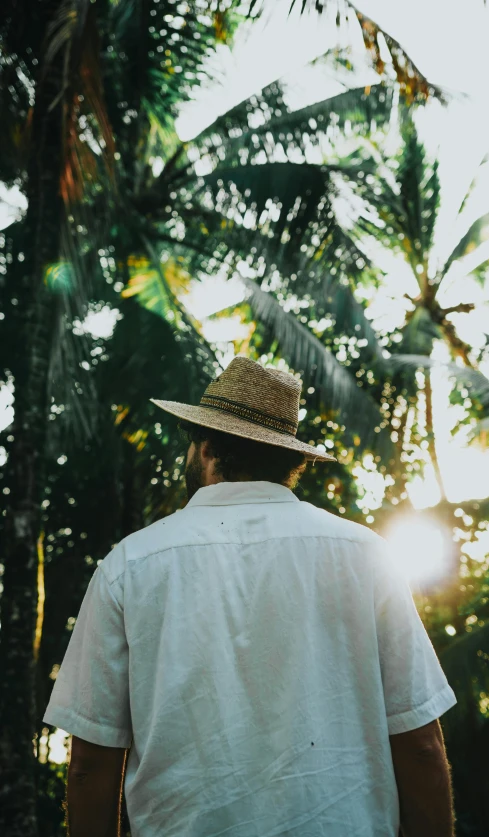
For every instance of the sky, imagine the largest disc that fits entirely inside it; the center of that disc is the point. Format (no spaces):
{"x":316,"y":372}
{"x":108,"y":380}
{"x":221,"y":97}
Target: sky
{"x":447,"y":40}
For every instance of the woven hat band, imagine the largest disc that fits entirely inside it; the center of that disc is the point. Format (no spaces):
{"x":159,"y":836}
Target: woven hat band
{"x":244,"y":411}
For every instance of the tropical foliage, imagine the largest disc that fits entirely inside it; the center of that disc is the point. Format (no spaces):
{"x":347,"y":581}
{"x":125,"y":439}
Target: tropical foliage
{"x":89,"y":94}
{"x":400,"y":211}
{"x":82,"y":86}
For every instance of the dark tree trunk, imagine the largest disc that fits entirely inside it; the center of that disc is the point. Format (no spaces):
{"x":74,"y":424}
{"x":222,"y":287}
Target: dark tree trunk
{"x":34,"y":314}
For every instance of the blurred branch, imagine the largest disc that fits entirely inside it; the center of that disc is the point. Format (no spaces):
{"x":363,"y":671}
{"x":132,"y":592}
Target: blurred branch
{"x":461,"y":308}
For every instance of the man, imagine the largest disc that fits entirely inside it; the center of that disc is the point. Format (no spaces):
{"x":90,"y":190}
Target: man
{"x":260,"y":658}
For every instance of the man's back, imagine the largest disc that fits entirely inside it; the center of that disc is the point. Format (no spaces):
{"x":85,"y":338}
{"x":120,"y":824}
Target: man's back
{"x":269,"y":650}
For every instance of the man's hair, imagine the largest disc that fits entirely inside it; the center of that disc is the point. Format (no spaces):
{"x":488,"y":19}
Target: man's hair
{"x":238,"y":458}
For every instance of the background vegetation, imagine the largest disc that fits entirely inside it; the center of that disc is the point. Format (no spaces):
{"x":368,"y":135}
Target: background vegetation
{"x":121,"y":218}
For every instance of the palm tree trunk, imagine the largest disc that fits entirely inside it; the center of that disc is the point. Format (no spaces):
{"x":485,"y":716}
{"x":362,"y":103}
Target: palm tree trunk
{"x":34,"y":314}
{"x":20,"y":597}
{"x":431,"y":434}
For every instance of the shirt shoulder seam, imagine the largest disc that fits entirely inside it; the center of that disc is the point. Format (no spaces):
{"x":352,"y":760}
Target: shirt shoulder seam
{"x":231,"y":543}
{"x":110,"y":583}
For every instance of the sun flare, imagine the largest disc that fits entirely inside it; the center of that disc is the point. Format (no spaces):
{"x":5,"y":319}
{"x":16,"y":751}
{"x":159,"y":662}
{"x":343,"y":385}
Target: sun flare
{"x":420,"y":548}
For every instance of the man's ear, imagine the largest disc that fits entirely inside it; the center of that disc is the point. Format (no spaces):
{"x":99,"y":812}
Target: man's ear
{"x":205,"y":450}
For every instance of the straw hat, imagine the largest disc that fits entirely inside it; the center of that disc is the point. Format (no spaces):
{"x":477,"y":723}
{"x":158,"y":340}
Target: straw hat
{"x":253,"y":402}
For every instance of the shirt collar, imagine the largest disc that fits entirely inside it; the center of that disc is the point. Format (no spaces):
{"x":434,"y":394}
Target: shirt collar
{"x":235,"y":493}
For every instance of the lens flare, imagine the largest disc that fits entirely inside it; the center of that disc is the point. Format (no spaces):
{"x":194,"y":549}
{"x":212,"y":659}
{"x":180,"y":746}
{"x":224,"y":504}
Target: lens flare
{"x":420,"y":548}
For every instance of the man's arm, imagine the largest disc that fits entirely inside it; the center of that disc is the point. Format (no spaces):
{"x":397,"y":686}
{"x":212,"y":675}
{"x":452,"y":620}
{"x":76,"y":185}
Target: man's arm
{"x":94,"y":789}
{"x":423,"y":781}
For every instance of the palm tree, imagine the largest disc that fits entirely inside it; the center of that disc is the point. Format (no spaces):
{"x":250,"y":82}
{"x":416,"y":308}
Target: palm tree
{"x":60,"y":146}
{"x":267,"y":213}
{"x":401,"y":202}
{"x":255,"y":206}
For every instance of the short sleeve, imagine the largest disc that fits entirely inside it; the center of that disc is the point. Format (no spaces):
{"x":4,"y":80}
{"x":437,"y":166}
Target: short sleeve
{"x":416,"y":690}
{"x":90,"y":698}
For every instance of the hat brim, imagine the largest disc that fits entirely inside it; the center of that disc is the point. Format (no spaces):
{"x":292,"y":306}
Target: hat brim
{"x":227,"y":423}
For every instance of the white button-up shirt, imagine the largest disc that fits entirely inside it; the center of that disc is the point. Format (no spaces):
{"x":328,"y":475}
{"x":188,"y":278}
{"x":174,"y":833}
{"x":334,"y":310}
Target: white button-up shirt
{"x":254,"y":652}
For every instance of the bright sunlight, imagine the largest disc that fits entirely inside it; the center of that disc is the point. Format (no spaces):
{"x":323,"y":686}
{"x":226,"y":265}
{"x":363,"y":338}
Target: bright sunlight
{"x":420,"y":548}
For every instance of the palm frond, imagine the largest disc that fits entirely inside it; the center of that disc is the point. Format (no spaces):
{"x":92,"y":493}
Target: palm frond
{"x":413,"y":84}
{"x":414,"y":176}
{"x":362,"y":109}
{"x":73,"y":32}
{"x":350,"y":318}
{"x":401,"y":202}
{"x":474,"y":380}
{"x":306,"y":354}
{"x":431,"y":202}
{"x":157,"y":54}
{"x":475,"y":235}
{"x":480,"y":273}
{"x":132,"y":377}
{"x":262,"y":106}
{"x":472,"y":185}
{"x":155,"y":286}
{"x":264,"y":123}
{"x":284,"y":199}
{"x":67,"y":22}
{"x":152,"y":286}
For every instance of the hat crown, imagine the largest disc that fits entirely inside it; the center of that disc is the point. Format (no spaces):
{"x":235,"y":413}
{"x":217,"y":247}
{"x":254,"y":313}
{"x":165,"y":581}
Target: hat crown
{"x":262,"y":394}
